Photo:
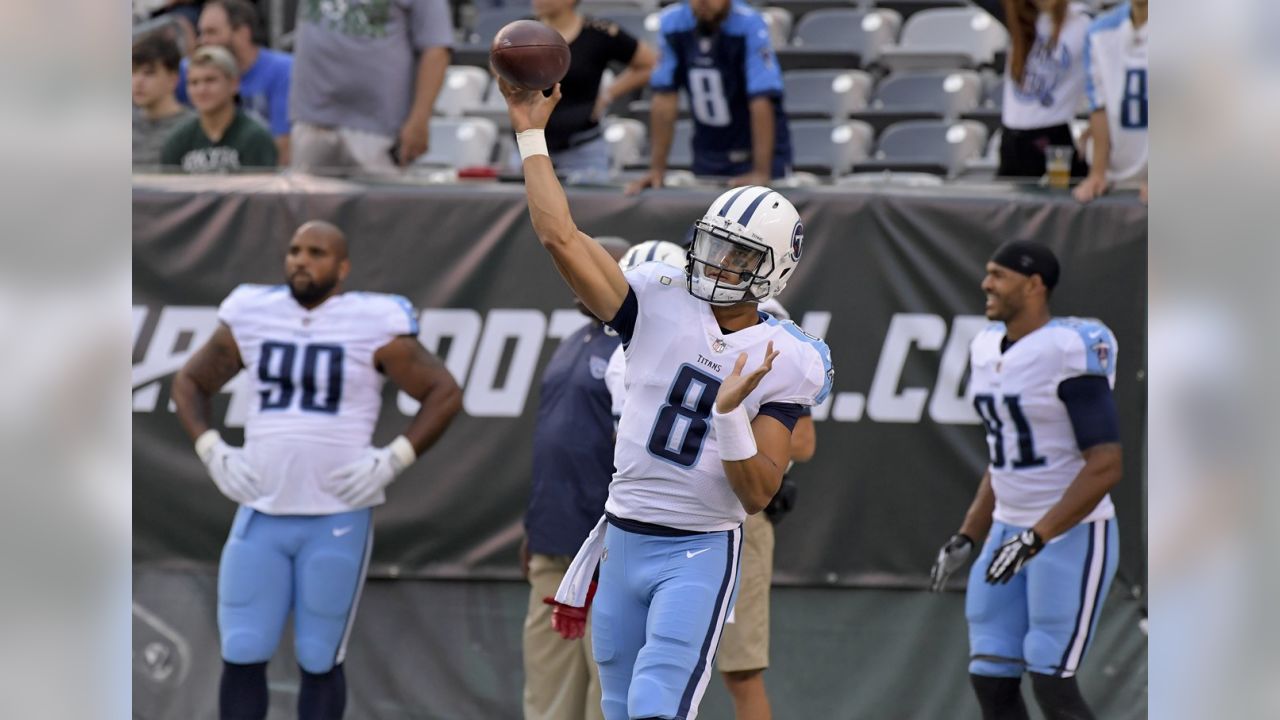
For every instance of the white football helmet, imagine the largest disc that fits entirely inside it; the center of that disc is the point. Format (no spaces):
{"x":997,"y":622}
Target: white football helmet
{"x":745,"y":247}
{"x":650,"y":250}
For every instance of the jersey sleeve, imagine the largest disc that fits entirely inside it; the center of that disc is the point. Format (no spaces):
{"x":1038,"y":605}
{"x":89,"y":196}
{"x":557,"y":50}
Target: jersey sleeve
{"x":399,"y":317}
{"x":238,"y":305}
{"x":764,"y":76}
{"x":816,"y":372}
{"x":1092,"y":351}
{"x":615,"y":376}
{"x":280,"y":97}
{"x":663,"y":78}
{"x":1092,"y":72}
{"x":431,"y":24}
{"x":622,"y":45}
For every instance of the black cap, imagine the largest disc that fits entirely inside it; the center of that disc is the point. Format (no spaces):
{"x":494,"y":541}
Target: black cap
{"x":1028,"y":258}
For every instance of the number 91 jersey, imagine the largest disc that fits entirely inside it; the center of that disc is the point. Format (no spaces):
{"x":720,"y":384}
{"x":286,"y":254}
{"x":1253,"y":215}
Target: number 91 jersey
{"x":318,"y":390}
{"x":1030,"y":438}
{"x":667,"y":465}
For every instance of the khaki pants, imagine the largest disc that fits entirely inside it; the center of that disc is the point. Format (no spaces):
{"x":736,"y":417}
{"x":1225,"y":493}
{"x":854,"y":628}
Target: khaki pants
{"x":317,"y":149}
{"x":744,"y":645}
{"x":561,"y":681}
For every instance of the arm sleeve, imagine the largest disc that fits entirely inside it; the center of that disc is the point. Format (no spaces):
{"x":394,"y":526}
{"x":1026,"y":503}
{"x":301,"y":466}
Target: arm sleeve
{"x":663,"y":78}
{"x":431,"y":24}
{"x":764,"y":76}
{"x":624,"y":323}
{"x":1092,"y":410}
{"x":786,"y":413}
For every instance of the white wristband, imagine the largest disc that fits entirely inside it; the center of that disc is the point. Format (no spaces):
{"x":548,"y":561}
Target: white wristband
{"x":205,"y":443}
{"x":733,"y":434}
{"x":532,"y":142}
{"x":403,"y":451}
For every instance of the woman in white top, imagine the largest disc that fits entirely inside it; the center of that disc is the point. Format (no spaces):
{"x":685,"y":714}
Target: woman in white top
{"x":1044,"y":81}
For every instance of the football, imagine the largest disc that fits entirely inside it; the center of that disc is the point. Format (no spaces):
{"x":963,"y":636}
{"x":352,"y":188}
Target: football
{"x":529,"y":55}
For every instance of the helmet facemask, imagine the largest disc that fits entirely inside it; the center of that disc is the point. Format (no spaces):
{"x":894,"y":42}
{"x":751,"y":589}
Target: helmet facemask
{"x":725,"y":268}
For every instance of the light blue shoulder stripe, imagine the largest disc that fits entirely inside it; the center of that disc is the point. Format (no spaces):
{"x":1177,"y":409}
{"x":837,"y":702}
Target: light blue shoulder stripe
{"x":1112,"y":19}
{"x":824,"y":352}
{"x":1099,"y":343}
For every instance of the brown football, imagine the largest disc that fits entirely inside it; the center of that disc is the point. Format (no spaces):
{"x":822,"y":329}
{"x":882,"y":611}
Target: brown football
{"x":529,"y":55}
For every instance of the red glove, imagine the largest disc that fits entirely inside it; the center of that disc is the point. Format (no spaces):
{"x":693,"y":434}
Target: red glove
{"x":570,"y":621}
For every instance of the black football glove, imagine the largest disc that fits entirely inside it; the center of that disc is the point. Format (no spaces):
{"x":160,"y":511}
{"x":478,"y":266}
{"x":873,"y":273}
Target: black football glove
{"x":783,"y":501}
{"x":951,"y":557}
{"x":1012,"y":555}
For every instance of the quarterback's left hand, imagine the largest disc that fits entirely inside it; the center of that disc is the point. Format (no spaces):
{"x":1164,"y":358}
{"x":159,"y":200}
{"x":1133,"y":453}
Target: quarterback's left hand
{"x":1012,"y":555}
{"x":737,"y":386}
{"x":359,"y":483}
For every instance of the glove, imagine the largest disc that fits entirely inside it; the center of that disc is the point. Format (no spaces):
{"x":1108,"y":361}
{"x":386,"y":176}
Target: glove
{"x":1012,"y":555}
{"x":951,"y":557}
{"x":228,"y":468}
{"x":570,"y":621}
{"x":358,"y":483}
{"x":783,"y":501}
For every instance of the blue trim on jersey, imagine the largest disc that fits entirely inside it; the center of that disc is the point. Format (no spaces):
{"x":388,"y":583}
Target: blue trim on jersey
{"x":651,"y":529}
{"x":717,"y":622}
{"x":407,"y":306}
{"x":786,"y":413}
{"x":724,"y":211}
{"x":751,"y":209}
{"x":1092,"y":410}
{"x":624,"y":322}
{"x":823,"y":351}
{"x":1099,"y":344}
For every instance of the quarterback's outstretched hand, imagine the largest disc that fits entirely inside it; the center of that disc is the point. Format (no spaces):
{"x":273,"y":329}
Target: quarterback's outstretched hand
{"x":570,"y":621}
{"x":737,"y":386}
{"x":1012,"y":555}
{"x":951,"y":557}
{"x":528,"y":108}
{"x":228,"y":468}
{"x":358,"y":483}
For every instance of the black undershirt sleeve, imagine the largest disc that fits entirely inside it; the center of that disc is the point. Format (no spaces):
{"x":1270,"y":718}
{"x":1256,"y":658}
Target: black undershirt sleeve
{"x":1092,"y":409}
{"x":624,"y":323}
{"x":786,"y":413}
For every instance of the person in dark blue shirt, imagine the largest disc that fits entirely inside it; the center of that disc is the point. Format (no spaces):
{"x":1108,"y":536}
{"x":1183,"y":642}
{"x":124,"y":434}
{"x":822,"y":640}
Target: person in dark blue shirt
{"x":572,"y":469}
{"x":718,"y":51}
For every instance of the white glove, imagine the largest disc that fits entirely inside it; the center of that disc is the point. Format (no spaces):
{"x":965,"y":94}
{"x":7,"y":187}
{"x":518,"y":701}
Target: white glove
{"x":228,"y":468}
{"x":358,"y":483}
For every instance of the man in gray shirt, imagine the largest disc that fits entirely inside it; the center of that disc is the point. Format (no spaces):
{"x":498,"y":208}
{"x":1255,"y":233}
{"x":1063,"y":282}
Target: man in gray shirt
{"x":156,"y":111}
{"x":365,"y":80}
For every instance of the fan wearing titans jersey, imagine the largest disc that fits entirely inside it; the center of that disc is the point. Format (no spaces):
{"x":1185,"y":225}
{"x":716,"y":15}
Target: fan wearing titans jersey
{"x":718,"y":51}
{"x":714,"y":388}
{"x":308,"y":477}
{"x":1042,"y":387}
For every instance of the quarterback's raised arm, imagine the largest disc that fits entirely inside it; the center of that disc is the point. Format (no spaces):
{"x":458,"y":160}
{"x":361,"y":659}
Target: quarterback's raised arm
{"x":592,"y":274}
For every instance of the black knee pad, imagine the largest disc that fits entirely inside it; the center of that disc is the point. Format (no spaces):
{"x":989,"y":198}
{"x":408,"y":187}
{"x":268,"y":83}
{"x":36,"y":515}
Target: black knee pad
{"x":999,"y":697}
{"x":242,"y":692}
{"x":322,"y":696}
{"x":1060,"y":698}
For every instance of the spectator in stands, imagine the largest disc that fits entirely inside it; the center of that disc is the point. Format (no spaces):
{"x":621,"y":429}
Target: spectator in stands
{"x":156,"y":111}
{"x":1044,"y":82}
{"x":365,"y":81}
{"x":572,"y":469}
{"x":264,"y":73}
{"x":1116,"y":58}
{"x":574,"y":136}
{"x":719,"y":52}
{"x":221,"y":138}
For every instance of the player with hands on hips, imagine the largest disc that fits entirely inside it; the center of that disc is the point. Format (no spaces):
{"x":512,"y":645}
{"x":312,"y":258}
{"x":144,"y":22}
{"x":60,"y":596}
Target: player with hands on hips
{"x":308,"y":475}
{"x":1042,"y":387}
{"x":714,"y":388}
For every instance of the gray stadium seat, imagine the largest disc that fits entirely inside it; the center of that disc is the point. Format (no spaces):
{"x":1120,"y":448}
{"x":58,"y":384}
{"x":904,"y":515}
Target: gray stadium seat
{"x":935,"y":146}
{"x":460,"y":142}
{"x":946,"y":93}
{"x":462,"y":92}
{"x":626,"y":140}
{"x":827,"y":147}
{"x":947,"y":37}
{"x":827,"y":93}
{"x":779,"y":22}
{"x":842,"y":36}
{"x":681,"y":155}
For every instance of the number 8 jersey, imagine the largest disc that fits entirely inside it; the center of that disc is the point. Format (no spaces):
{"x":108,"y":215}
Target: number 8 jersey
{"x":667,"y":466}
{"x":318,"y":390}
{"x":1032,"y":443}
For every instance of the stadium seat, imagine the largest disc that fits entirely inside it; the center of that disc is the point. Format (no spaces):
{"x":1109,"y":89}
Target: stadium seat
{"x":825,"y":93}
{"x":840,"y":38}
{"x":626,"y":140}
{"x":821,"y":146}
{"x":779,"y":22}
{"x":985,"y":166}
{"x":988,"y":111}
{"x":681,"y":155}
{"x":463,"y":91}
{"x":966,"y":37}
{"x":945,"y":93}
{"x":460,"y":142}
{"x":933,"y":146}
{"x":489,"y":21}
{"x":907,"y":8}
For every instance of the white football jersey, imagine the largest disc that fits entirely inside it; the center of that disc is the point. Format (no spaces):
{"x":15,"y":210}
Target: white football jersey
{"x":1032,"y":445}
{"x":319,"y":393}
{"x":1052,"y":86}
{"x":1116,"y":67}
{"x":668,"y":469}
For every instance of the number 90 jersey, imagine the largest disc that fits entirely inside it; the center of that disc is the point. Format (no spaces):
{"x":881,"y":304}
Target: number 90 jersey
{"x":318,"y":392}
{"x":1030,"y":438}
{"x":667,"y":465}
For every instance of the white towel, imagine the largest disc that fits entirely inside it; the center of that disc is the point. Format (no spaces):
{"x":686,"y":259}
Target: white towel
{"x":577,"y":579}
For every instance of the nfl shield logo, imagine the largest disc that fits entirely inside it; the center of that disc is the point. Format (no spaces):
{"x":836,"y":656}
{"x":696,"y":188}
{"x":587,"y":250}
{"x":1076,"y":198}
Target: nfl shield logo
{"x":598,"y":367}
{"x":718,"y":345}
